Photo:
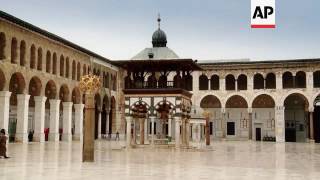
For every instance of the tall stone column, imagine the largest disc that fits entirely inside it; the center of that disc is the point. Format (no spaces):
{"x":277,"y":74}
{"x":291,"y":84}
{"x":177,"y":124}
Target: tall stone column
{"x":88,"y":133}
{"x":279,"y":80}
{"x":67,"y":121}
{"x":107,"y":122}
{"x":309,"y":80}
{"x":222,"y":84}
{"x":146,"y":130}
{"x":54,"y":120}
{"x":152,"y":118}
{"x":129,"y":122}
{"x":99,"y":124}
{"x":187,"y":132}
{"x":141,"y":120}
{"x":280,"y":123}
{"x":207,"y":133}
{"x":39,"y":116}
{"x":22,"y":118}
{"x":134,"y":131}
{"x":223,"y":122}
{"x":4,"y":109}
{"x":177,"y":131}
{"x":170,"y":126}
{"x":183,"y":131}
{"x":236,"y":84}
{"x":311,"y":126}
{"x":78,"y":133}
{"x":250,"y":122}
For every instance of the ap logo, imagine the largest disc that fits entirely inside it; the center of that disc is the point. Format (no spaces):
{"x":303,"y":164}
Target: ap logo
{"x":263,"y":14}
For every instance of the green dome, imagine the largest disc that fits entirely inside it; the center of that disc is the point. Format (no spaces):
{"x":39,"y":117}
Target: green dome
{"x":159,"y":38}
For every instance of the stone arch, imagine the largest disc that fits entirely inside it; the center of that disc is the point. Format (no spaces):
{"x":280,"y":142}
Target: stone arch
{"x":242,"y":82}
{"x":230,"y":82}
{"x":258,"y":81}
{"x":48,"y":62}
{"x":54,"y":63}
{"x":76,"y":96}
{"x":263,"y":101}
{"x":39,"y":59}
{"x":16,"y":86}
{"x":78,"y":71}
{"x":51,"y":90}
{"x":271,"y":81}
{"x":287,"y":80}
{"x":2,"y":80}
{"x":203,"y":82}
{"x":64,"y":93}
{"x":35,"y":88}
{"x":215,"y":82}
{"x":2,"y":45}
{"x":22,"y":53}
{"x":292,"y":92}
{"x":73,"y":70}
{"x":14,"y":53}
{"x":236,"y":101}
{"x":61,"y":65}
{"x":32,"y":57}
{"x":300,"y":79}
{"x":210,"y":101}
{"x":67,"y":67}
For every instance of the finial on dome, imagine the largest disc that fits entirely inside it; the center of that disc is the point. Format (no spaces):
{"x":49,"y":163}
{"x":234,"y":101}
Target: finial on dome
{"x":159,"y":20}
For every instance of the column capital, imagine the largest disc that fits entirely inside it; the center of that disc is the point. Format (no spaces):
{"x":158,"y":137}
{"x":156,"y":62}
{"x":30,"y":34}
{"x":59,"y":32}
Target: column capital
{"x":249,"y":109}
{"x":40,"y":98}
{"x":54,"y":101}
{"x":67,"y":104}
{"x":5,"y":93}
{"x":78,"y":106}
{"x":279,"y":108}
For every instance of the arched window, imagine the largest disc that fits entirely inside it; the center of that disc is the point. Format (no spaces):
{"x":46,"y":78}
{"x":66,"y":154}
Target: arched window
{"x":78,"y":71}
{"x":271,"y":81}
{"x":214,"y":82}
{"x":258,"y":81}
{"x":61,"y":65}
{"x":203,"y":82}
{"x":33,"y":57}
{"x":54,"y":63}
{"x":108,"y":80}
{"x":242,"y":82}
{"x":22,"y":53}
{"x":48,"y":62}
{"x":67,"y":67}
{"x":73,"y":70}
{"x":2,"y":45}
{"x":300,"y":81}
{"x":84,"y":70}
{"x":230,"y":82}
{"x":287,"y":80}
{"x":316,"y":79}
{"x":14,"y":45}
{"x":39,"y":59}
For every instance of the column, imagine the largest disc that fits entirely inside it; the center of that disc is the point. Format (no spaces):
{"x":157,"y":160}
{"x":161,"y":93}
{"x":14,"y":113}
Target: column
{"x":99,"y":124}
{"x":170,"y":126}
{"x":4,"y":109}
{"x":107,"y":121}
{"x":279,"y":80}
{"x":134,"y":131}
{"x":183,"y":131}
{"x":54,"y":120}
{"x":223,"y":122}
{"x":250,"y":81}
{"x":67,"y":121}
{"x":177,"y":133}
{"x":311,"y":126}
{"x":207,"y":131}
{"x":222,"y":84}
{"x":309,"y":76}
{"x":264,"y":83}
{"x":78,"y":132}
{"x":39,"y":116}
{"x":280,"y":124}
{"x":152,"y":118}
{"x":141,"y":122}
{"x":250,"y":123}
{"x":88,"y":129}
{"x":236,"y":84}
{"x":145,"y":130}
{"x":187,"y":132}
{"x":22,"y":118}
{"x":129,"y":121}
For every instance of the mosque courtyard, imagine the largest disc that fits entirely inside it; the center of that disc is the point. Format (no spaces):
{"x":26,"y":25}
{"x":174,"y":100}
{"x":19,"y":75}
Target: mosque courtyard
{"x":223,"y":160}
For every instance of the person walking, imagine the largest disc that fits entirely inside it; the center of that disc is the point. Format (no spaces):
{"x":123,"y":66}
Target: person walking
{"x":117,"y":136}
{"x":3,"y":142}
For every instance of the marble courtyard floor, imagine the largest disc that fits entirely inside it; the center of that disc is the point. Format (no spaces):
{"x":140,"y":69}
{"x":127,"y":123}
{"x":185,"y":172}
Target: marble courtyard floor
{"x":226,"y":160}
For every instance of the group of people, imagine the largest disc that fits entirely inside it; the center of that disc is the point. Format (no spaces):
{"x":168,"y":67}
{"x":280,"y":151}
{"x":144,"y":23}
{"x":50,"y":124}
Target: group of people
{"x":108,"y":136}
{"x":3,"y":144}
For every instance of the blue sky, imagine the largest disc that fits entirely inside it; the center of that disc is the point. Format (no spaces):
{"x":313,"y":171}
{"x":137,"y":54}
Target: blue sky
{"x":203,"y":30}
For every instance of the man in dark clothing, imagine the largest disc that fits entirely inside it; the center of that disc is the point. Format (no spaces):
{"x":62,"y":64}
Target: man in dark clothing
{"x":3,"y":142}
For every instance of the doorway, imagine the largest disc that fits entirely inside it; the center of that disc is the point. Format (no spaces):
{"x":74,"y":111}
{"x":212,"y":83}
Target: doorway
{"x":258,"y":134}
{"x":231,"y":128}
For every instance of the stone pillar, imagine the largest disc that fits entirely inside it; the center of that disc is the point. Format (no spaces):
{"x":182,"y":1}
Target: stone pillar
{"x":207,"y":133}
{"x":187,"y":132}
{"x":88,"y":133}
{"x":279,"y":80}
{"x":107,"y":122}
{"x":152,"y":118}
{"x":309,"y":76}
{"x":99,"y":124}
{"x":223,"y":122}
{"x":22,"y":118}
{"x":39,"y":116}
{"x":250,"y":122}
{"x":177,"y":131}
{"x":280,"y":123}
{"x":236,"y":84}
{"x":129,"y":121}
{"x":195,"y":81}
{"x":311,"y":126}
{"x":146,"y":130}
{"x":222,"y":84}
{"x":170,"y":126}
{"x":54,"y":120}
{"x":67,"y":121}
{"x":141,"y":122}
{"x":4,"y":109}
{"x":183,"y":131}
{"x":78,"y":132}
{"x":250,"y":81}
{"x":264,"y":83}
{"x":134,"y":131}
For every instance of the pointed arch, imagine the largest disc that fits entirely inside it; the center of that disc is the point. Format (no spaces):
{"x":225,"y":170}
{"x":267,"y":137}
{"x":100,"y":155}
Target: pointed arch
{"x":78,"y":71}
{"x":54,"y":64}
{"x":67,"y":67}
{"x":14,"y":46}
{"x":33,"y":57}
{"x":48,"y":62}
{"x":73,"y":70}
{"x":22,"y":53}
{"x":39,"y":59}
{"x":2,"y":45}
{"x":61,"y":65}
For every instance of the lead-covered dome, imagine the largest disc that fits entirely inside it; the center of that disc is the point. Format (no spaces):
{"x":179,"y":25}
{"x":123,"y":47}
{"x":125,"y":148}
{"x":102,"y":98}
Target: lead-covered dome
{"x":159,"y":38}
